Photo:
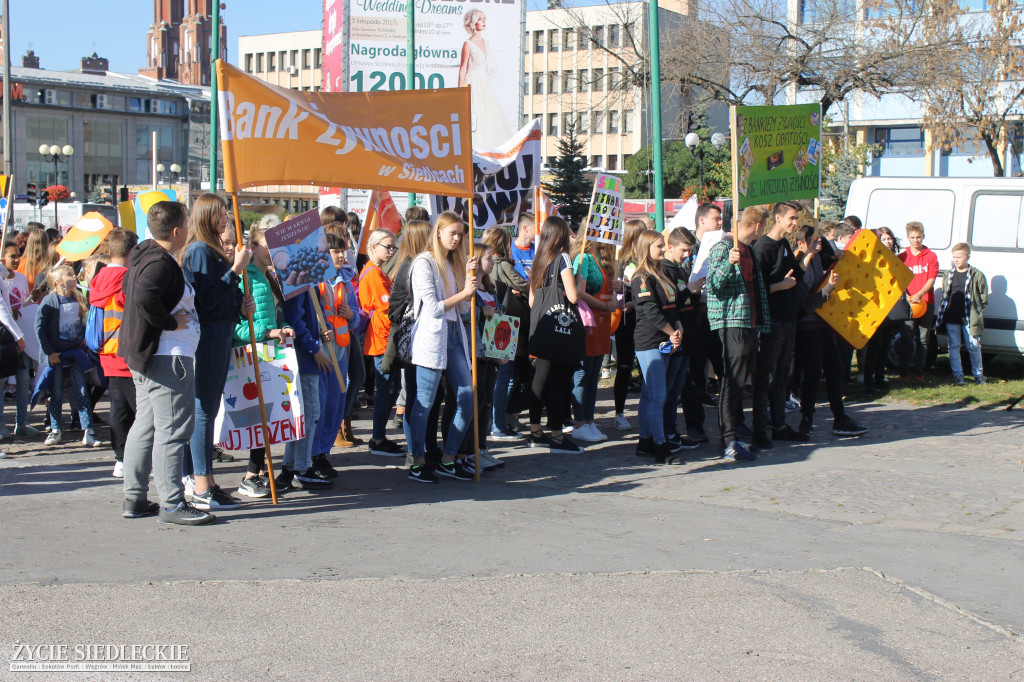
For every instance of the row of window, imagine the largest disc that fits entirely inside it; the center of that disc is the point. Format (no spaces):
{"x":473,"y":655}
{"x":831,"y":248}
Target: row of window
{"x":849,"y":10}
{"x":588,"y":122}
{"x":909,"y":141}
{"x":583,"y":80}
{"x":108,"y":102}
{"x":267,"y":62}
{"x":597,"y":161}
{"x":568,"y":39}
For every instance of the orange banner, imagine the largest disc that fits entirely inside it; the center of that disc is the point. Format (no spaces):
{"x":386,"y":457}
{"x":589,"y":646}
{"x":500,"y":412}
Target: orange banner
{"x":380,"y":213}
{"x":408,"y":141}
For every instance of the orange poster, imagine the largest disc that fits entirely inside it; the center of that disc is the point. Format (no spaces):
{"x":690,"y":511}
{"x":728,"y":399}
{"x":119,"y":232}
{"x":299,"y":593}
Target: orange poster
{"x":408,"y":141}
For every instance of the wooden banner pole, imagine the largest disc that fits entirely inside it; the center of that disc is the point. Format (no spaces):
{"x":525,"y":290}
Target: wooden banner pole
{"x":313,"y":293}
{"x":472,"y":356}
{"x":255,"y":355}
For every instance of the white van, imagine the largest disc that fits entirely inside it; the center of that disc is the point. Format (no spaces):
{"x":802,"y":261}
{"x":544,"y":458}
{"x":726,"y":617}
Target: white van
{"x":987,"y":213}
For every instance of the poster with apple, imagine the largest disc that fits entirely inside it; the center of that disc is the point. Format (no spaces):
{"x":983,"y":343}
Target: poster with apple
{"x":238,"y":421}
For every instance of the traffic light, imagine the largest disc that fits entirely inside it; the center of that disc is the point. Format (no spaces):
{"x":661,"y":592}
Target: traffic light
{"x":32,"y":193}
{"x":44,"y":198}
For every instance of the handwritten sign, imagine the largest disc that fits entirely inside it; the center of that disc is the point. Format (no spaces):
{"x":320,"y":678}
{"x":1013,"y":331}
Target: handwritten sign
{"x":605,"y":220}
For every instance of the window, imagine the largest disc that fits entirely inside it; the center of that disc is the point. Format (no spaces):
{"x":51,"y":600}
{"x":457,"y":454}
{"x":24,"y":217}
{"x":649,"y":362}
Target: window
{"x":259,"y":62}
{"x":248,"y":63}
{"x":553,"y":125}
{"x":567,"y":120}
{"x":538,"y":84}
{"x":583,"y":80}
{"x":614,"y":36}
{"x":305,"y":59}
{"x":627,"y":121}
{"x":582,"y":39}
{"x":271,"y":61}
{"x":526,"y":84}
{"x":103,"y":149}
{"x":553,"y":83}
{"x":598,"y":122}
{"x":294,"y":61}
{"x":553,"y":40}
{"x":599,"y":35}
{"x":40,"y":130}
{"x":996,"y":221}
{"x":551,"y":161}
{"x":538,"y":42}
{"x":613,"y":162}
{"x":613,"y":122}
{"x":316,"y":57}
{"x":897,"y":207}
{"x":900,"y":141}
{"x":598,"y":80}
{"x":526,"y":120}
{"x":568,"y":39}
{"x":596,"y":161}
{"x":615,"y":81}
{"x":583,"y":123}
{"x":282,"y":60}
{"x":568,"y":81}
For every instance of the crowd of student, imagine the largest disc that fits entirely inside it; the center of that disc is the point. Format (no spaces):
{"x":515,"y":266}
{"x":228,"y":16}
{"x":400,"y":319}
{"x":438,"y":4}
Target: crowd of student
{"x":173,"y":306}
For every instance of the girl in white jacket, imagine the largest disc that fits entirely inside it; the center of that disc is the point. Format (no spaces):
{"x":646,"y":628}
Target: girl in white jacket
{"x":439,"y":344}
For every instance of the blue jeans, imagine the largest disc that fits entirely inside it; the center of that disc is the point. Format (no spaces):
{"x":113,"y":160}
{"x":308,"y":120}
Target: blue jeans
{"x":212,"y":359}
{"x":954,"y":333}
{"x":651,"y":413}
{"x":356,"y":374}
{"x":332,"y":404}
{"x":675,"y":379}
{"x":57,"y":396}
{"x":502,"y":393}
{"x":388,"y":386}
{"x":22,"y":393}
{"x":584,"y":388}
{"x":298,"y":454}
{"x":427,"y":381}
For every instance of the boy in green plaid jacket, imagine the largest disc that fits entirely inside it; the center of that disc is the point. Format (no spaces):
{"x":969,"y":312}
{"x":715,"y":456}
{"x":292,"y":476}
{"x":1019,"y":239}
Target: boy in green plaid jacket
{"x":738,"y":310}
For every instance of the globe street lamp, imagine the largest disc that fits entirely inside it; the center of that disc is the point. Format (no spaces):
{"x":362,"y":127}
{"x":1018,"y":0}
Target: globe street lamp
{"x":692,"y":141}
{"x":175,"y":169}
{"x":52,"y":152}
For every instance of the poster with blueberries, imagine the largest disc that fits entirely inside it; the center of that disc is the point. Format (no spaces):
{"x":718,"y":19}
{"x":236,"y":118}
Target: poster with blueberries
{"x":298,"y":250}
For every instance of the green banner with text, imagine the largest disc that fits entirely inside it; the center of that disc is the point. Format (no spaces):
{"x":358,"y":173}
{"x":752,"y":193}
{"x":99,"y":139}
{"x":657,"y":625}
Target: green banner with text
{"x":776,"y":154}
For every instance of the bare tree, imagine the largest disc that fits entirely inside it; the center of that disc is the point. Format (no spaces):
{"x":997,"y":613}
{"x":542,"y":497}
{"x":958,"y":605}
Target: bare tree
{"x":978,"y":92}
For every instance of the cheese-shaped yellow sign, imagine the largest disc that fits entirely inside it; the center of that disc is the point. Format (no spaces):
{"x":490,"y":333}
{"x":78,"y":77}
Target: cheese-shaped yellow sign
{"x":871,"y":280}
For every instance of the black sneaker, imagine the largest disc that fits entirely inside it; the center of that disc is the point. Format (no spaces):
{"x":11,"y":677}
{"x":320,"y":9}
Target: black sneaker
{"x":386,"y":448}
{"x":566,"y":445}
{"x":786,"y":432}
{"x":422,"y":474}
{"x":844,"y":426}
{"x":220,"y":456}
{"x":645,"y":447}
{"x":285,"y":480}
{"x":323,"y":467}
{"x":254,"y":487}
{"x":185,"y":515}
{"x":310,"y":479}
{"x":453,"y":470}
{"x":505,"y":436}
{"x":433,"y":457}
{"x":680,"y":442}
{"x":539,"y":438}
{"x":807,"y":426}
{"x":214,"y":498}
{"x":709,"y":400}
{"x":663,"y":454}
{"x":696,"y":434}
{"x":737,"y":451}
{"x":762,"y":442}
{"x":136,"y":509}
{"x":468,"y":464}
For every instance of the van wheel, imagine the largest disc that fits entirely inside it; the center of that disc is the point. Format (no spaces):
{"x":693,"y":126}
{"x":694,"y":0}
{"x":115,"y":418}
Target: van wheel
{"x":894,"y":352}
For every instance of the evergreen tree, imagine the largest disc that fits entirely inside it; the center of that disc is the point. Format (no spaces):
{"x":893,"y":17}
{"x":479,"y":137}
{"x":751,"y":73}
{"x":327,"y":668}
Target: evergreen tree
{"x":569,"y":188}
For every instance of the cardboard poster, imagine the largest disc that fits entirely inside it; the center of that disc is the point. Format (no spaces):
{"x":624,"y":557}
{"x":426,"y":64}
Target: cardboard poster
{"x":776,"y":154}
{"x":298,"y":250}
{"x":605,"y":218}
{"x":500,"y":337}
{"x":237,"y":426}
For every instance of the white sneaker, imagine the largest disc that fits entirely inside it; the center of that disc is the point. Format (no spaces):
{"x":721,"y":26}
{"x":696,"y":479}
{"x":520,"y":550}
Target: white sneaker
{"x":621,"y":423}
{"x":606,"y":373}
{"x":487,"y":460}
{"x":598,"y":432}
{"x":568,"y":429}
{"x":25,"y":430}
{"x":118,"y":470}
{"x":90,"y":440}
{"x":54,"y":438}
{"x":584,"y":434}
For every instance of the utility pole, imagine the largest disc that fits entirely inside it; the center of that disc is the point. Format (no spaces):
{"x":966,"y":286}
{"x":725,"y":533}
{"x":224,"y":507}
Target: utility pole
{"x":214,"y":55}
{"x":656,"y":137}
{"x":8,"y":165}
{"x":410,"y":63}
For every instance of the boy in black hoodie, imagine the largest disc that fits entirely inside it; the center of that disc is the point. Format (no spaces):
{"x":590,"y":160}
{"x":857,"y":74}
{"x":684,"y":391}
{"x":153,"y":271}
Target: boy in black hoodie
{"x":159,"y":336}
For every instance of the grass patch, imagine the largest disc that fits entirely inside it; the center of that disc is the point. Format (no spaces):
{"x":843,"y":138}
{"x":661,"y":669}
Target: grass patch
{"x":1004,"y":373}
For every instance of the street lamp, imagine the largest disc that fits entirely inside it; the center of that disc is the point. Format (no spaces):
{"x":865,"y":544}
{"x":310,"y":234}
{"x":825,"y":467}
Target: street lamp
{"x":174,"y":168}
{"x":52,"y":152}
{"x":692,"y":141}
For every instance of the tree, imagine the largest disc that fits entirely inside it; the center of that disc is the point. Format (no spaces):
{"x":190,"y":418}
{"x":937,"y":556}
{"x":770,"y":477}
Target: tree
{"x":96,"y":195}
{"x":978,"y":92}
{"x":569,"y":188}
{"x":680,"y":169}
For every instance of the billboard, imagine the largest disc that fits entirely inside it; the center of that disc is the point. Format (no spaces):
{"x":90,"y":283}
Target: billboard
{"x":456,"y":44}
{"x":332,"y":63}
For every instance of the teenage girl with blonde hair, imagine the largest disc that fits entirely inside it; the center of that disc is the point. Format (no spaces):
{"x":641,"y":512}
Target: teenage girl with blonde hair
{"x":624,"y":351}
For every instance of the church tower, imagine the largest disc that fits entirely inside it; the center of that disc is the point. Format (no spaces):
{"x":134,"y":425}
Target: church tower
{"x":162,"y":40}
{"x":179,"y":41}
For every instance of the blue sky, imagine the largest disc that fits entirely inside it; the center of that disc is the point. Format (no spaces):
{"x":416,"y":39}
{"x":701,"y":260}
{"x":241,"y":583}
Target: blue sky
{"x":63,"y":31}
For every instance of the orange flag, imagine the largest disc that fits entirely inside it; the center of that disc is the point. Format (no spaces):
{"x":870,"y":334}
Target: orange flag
{"x":380,"y":213}
{"x":408,"y":140}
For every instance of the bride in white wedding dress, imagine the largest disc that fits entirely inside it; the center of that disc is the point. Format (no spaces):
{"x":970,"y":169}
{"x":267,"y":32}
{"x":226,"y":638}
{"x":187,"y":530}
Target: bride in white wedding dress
{"x":489,"y":123}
